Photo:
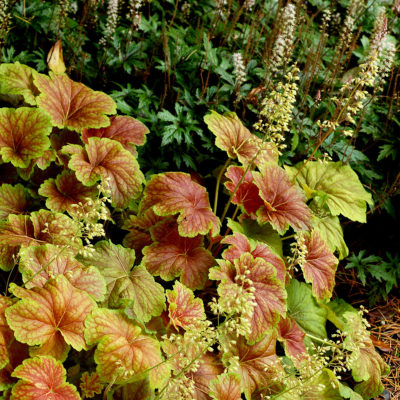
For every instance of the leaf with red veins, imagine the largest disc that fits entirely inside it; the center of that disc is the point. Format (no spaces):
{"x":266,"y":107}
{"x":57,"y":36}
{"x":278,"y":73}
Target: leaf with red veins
{"x":38,"y":264}
{"x":210,"y":367}
{"x":65,"y":191}
{"x":139,"y":230}
{"x":23,"y":135}
{"x":122,"y":349}
{"x":184,"y":309}
{"x":240,"y":244}
{"x":225,"y":387}
{"x":12,"y":352}
{"x":175,"y":192}
{"x":172,"y":255}
{"x":17,"y":230}
{"x":292,"y":337}
{"x":320,"y":266}
{"x":8,"y":257}
{"x":269,"y":294}
{"x":258,"y":363}
{"x":71,"y":104}
{"x":125,"y":282}
{"x":42,"y":378}
{"x":17,"y":79}
{"x":13,"y":200}
{"x":284,"y":203}
{"x":234,"y":138}
{"x":51,"y":317}
{"x":90,"y":384}
{"x":126,"y":130}
{"x":247,"y":194}
{"x":107,"y":159}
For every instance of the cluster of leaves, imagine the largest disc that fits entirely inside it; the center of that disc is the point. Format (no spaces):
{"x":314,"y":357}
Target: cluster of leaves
{"x":178,"y":310}
{"x":375,"y":270}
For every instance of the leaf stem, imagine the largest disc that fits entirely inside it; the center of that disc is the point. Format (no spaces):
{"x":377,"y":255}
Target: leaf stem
{"x":218,"y":183}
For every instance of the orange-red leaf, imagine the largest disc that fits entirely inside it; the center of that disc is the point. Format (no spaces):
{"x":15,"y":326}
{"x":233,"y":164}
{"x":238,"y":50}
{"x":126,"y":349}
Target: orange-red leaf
{"x":226,"y":387}
{"x":72,"y":104}
{"x":320,"y":266}
{"x":42,"y":378}
{"x":123,"y":350}
{"x":64,"y":191}
{"x":292,"y":337}
{"x":247,"y":193}
{"x":270,"y":295}
{"x":234,"y":138}
{"x":172,"y":255}
{"x":258,"y":364}
{"x":38,"y":264}
{"x":240,"y":244}
{"x":184,"y":309}
{"x":175,"y":192}
{"x":126,"y":130}
{"x":284,"y":204}
{"x":107,"y":159}
{"x":23,"y":134}
{"x":90,"y":384}
{"x":51,"y":317}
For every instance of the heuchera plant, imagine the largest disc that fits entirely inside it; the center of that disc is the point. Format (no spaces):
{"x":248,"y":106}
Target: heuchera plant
{"x":190,"y":304}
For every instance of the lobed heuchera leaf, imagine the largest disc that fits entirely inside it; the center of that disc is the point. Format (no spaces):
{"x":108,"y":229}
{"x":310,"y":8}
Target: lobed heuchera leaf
{"x":258,"y":363}
{"x":17,"y":79}
{"x":292,"y":337}
{"x":71,"y":104}
{"x":234,"y":138}
{"x":51,"y":317}
{"x":184,"y":310}
{"x":366,"y":364}
{"x":240,"y":244}
{"x":331,"y":233}
{"x":270,"y":294}
{"x":12,"y":352}
{"x":42,"y":162}
{"x":23,"y":135}
{"x":172,"y":255}
{"x":303,"y":308}
{"x":247,"y":193}
{"x":38,"y":264}
{"x":65,"y":191}
{"x":139,"y":230}
{"x":225,"y":387}
{"x":126,"y":130}
{"x":42,"y":378}
{"x":123,"y":351}
{"x":335,"y":185}
{"x":107,"y":159}
{"x":319,"y":267}
{"x":284,"y":204}
{"x":175,"y":192}
{"x":13,"y":200}
{"x":90,"y":384}
{"x":125,"y":282}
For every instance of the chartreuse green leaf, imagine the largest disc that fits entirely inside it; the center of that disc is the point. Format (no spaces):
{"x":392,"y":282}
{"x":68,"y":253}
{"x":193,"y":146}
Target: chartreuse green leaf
{"x":123,"y":352}
{"x":106,"y":159}
{"x":255,"y":233}
{"x":42,"y":378}
{"x":71,"y":104}
{"x":304,"y":309}
{"x":13,"y":200}
{"x":124,"y":281}
{"x":90,"y":384}
{"x":333,"y":185}
{"x":51,"y":317}
{"x":23,"y":135}
{"x":332,"y":234}
{"x":17,"y":79}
